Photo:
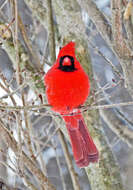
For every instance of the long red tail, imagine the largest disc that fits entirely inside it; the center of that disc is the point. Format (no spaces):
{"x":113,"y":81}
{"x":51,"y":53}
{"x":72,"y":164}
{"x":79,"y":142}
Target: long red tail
{"x":83,"y":147}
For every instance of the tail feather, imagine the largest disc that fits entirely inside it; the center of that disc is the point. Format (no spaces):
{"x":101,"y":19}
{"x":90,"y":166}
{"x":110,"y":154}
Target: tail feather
{"x":90,"y":146}
{"x":83,"y":147}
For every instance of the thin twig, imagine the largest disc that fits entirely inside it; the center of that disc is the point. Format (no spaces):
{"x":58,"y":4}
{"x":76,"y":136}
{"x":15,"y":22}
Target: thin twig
{"x":106,"y":59}
{"x":8,"y":91}
{"x":42,"y":163}
{"x":26,"y":160}
{"x":118,"y":126}
{"x":59,"y":166}
{"x":2,"y":6}
{"x":29,"y":184}
{"x":19,"y":82}
{"x":51,"y":31}
{"x":8,"y":166}
{"x":98,"y":18}
{"x":128,"y":10}
{"x":29,"y":131}
{"x":16,"y":90}
{"x":48,"y":139}
{"x":28,"y":43}
{"x":83,"y":108}
{"x":18,"y":69}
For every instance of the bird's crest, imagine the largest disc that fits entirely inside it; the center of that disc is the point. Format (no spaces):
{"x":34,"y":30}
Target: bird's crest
{"x":68,"y":49}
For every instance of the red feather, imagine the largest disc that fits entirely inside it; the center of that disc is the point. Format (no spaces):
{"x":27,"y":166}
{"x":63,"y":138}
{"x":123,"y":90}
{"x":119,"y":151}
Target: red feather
{"x":67,"y":87}
{"x":84,"y":149}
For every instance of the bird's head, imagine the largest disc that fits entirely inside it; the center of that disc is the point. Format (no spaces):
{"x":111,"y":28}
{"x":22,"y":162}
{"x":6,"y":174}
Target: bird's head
{"x":66,"y":59}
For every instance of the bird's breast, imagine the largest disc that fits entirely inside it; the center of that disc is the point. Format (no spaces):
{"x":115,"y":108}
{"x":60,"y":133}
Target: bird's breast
{"x":66,"y":90}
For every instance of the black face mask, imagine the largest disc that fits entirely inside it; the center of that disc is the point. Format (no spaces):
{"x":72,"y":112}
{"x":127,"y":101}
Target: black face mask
{"x":67,"y":68}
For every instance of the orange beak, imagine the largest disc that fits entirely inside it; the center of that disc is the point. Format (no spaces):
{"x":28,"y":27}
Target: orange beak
{"x":66,"y":62}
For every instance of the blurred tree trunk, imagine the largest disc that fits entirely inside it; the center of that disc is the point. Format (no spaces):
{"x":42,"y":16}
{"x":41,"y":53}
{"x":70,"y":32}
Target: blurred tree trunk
{"x":104,"y":175}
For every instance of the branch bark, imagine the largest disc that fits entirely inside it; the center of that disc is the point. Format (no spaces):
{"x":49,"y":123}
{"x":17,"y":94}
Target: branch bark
{"x":119,"y":43}
{"x":98,"y":18}
{"x":69,"y":162}
{"x":117,"y":126}
{"x":39,"y":10}
{"x":51,"y":31}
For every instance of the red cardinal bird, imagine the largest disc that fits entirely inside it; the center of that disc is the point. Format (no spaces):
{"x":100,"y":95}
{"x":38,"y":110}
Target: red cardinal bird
{"x":67,"y":87}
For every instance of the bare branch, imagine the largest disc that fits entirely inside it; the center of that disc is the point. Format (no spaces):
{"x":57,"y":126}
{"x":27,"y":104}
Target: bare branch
{"x":83,"y":108}
{"x":29,"y":131}
{"x":51,"y":31}
{"x":103,"y":27}
{"x":128,"y":10}
{"x":117,"y":126}
{"x":119,"y":43}
{"x":28,"y":43}
{"x":69,"y":162}
{"x":39,"y":10}
{"x":59,"y":166}
{"x":27,"y":161}
{"x":29,"y":184}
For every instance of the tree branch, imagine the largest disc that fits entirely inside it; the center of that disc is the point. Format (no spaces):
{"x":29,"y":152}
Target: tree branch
{"x":119,"y":43}
{"x":69,"y":162}
{"x":39,"y":10}
{"x":8,"y":138}
{"x":117,"y":126}
{"x":51,"y":31}
{"x":97,"y":17}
